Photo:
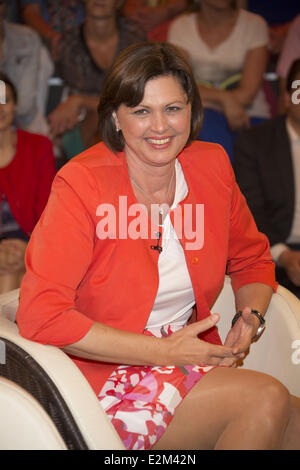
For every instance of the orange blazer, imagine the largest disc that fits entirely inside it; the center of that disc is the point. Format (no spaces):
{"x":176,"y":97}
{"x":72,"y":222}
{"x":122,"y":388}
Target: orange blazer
{"x":73,"y":278}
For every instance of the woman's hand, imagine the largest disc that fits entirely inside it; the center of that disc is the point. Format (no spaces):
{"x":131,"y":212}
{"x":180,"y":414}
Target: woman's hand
{"x":65,"y":116}
{"x":12,"y":254}
{"x":240,"y":336}
{"x":185,"y":348}
{"x":235,"y":113}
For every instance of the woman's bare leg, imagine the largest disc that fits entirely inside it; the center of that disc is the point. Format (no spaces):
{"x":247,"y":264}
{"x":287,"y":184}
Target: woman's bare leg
{"x":230,"y":409}
{"x":291,"y":438}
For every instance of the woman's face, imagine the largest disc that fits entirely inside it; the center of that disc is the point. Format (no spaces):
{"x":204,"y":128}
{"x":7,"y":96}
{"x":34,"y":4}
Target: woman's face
{"x":158,"y":128}
{"x":218,"y":4}
{"x":7,"y":110}
{"x":102,"y":9}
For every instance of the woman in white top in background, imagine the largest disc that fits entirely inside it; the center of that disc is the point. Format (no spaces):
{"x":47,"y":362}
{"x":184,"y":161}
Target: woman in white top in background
{"x":227,"y":48}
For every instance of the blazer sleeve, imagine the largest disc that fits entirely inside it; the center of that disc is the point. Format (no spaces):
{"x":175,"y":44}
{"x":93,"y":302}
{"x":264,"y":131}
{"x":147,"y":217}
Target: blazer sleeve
{"x":58,"y":255}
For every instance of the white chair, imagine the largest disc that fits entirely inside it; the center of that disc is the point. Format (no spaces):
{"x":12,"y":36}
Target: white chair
{"x":44,"y":379}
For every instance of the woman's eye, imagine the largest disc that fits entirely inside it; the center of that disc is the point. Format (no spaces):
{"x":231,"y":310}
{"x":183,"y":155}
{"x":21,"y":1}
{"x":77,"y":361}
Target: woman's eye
{"x":140,"y":112}
{"x":173,"y":109}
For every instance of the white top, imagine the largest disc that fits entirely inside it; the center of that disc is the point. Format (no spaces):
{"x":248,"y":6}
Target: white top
{"x":294,"y":237}
{"x":227,"y":59}
{"x":175,"y":296}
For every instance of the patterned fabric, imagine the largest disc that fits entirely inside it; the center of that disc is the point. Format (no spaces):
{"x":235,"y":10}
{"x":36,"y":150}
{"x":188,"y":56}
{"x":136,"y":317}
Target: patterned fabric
{"x":76,"y":65}
{"x":141,"y":401}
{"x":60,"y":15}
{"x":63,"y":14}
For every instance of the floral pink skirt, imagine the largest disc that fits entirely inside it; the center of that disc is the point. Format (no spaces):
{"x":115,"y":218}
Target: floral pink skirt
{"x":141,"y":400}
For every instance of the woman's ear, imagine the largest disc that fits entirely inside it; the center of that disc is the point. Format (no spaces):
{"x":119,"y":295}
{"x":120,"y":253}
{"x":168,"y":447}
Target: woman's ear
{"x":116,"y":121}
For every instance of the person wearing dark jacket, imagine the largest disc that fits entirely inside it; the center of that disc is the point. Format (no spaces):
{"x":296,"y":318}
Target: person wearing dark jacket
{"x":267,"y":167}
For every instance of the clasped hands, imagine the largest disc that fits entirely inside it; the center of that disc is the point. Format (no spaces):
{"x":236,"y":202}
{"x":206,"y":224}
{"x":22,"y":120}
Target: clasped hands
{"x":184,"y":346}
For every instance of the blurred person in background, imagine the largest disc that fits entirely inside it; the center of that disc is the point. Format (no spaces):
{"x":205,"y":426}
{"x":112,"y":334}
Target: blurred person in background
{"x":84,"y":55}
{"x":51,"y":18}
{"x":228,"y":50}
{"x":267,"y":167}
{"x":27,"y":169}
{"x":155,"y":15}
{"x":26,"y":62}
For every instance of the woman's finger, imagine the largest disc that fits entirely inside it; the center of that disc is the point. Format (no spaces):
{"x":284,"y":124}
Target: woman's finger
{"x":203,"y":325}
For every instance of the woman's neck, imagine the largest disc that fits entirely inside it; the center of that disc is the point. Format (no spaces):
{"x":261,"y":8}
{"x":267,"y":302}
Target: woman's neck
{"x":216,"y":16}
{"x":150,"y":183}
{"x":99,"y":30}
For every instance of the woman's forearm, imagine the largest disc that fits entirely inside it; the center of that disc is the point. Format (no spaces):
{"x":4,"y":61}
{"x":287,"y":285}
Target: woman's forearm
{"x":257,"y":296}
{"x":212,"y":97}
{"x":106,"y":344}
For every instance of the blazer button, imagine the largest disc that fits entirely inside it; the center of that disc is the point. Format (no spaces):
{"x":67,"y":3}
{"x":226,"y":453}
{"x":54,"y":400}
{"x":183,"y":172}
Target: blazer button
{"x":195,"y":260}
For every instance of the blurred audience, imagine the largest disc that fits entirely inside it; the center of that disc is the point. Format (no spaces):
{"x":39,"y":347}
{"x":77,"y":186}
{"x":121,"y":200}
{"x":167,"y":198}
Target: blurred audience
{"x":267,"y":167}
{"x":155,"y":15}
{"x":51,"y":18}
{"x":290,"y":52}
{"x":26,"y":62}
{"x":227,"y":47}
{"x":84,"y":55}
{"x":27,"y":169}
{"x":12,"y":11}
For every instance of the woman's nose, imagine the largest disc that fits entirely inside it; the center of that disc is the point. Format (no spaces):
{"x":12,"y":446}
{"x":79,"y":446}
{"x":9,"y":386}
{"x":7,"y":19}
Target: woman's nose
{"x":159,"y":122}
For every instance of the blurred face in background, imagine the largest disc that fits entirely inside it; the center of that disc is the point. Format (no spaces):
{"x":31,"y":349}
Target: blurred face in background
{"x":218,"y":4}
{"x":102,"y":9}
{"x":8,"y":110}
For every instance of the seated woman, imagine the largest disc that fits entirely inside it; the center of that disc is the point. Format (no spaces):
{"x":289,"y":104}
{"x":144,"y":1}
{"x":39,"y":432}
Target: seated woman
{"x":157,"y":218}
{"x":27,"y":169}
{"x":227,"y":47}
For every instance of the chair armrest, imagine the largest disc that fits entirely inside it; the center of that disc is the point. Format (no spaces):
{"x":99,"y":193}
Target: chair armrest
{"x":273,"y":353}
{"x":81,"y":400}
{"x":19,"y":408}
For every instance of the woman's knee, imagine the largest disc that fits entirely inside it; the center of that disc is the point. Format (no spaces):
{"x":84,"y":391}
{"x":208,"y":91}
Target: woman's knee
{"x":274,"y":401}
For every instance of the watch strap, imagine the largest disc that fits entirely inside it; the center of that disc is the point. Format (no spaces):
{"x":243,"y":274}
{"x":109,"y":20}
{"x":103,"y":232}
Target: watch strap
{"x":254,"y":312}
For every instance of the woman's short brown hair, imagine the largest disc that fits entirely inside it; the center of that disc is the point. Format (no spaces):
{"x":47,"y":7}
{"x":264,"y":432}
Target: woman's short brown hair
{"x":126,"y":80}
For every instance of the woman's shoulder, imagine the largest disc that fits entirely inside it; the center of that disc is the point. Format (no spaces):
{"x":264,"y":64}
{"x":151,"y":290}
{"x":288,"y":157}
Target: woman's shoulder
{"x":199,"y":150}
{"x":248,"y":19}
{"x":94,"y":162}
{"x":181,"y":22}
{"x":206,"y":157}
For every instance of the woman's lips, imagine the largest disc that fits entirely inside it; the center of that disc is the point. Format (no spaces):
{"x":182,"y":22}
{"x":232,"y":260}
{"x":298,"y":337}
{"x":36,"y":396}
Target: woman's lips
{"x":158,"y":141}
